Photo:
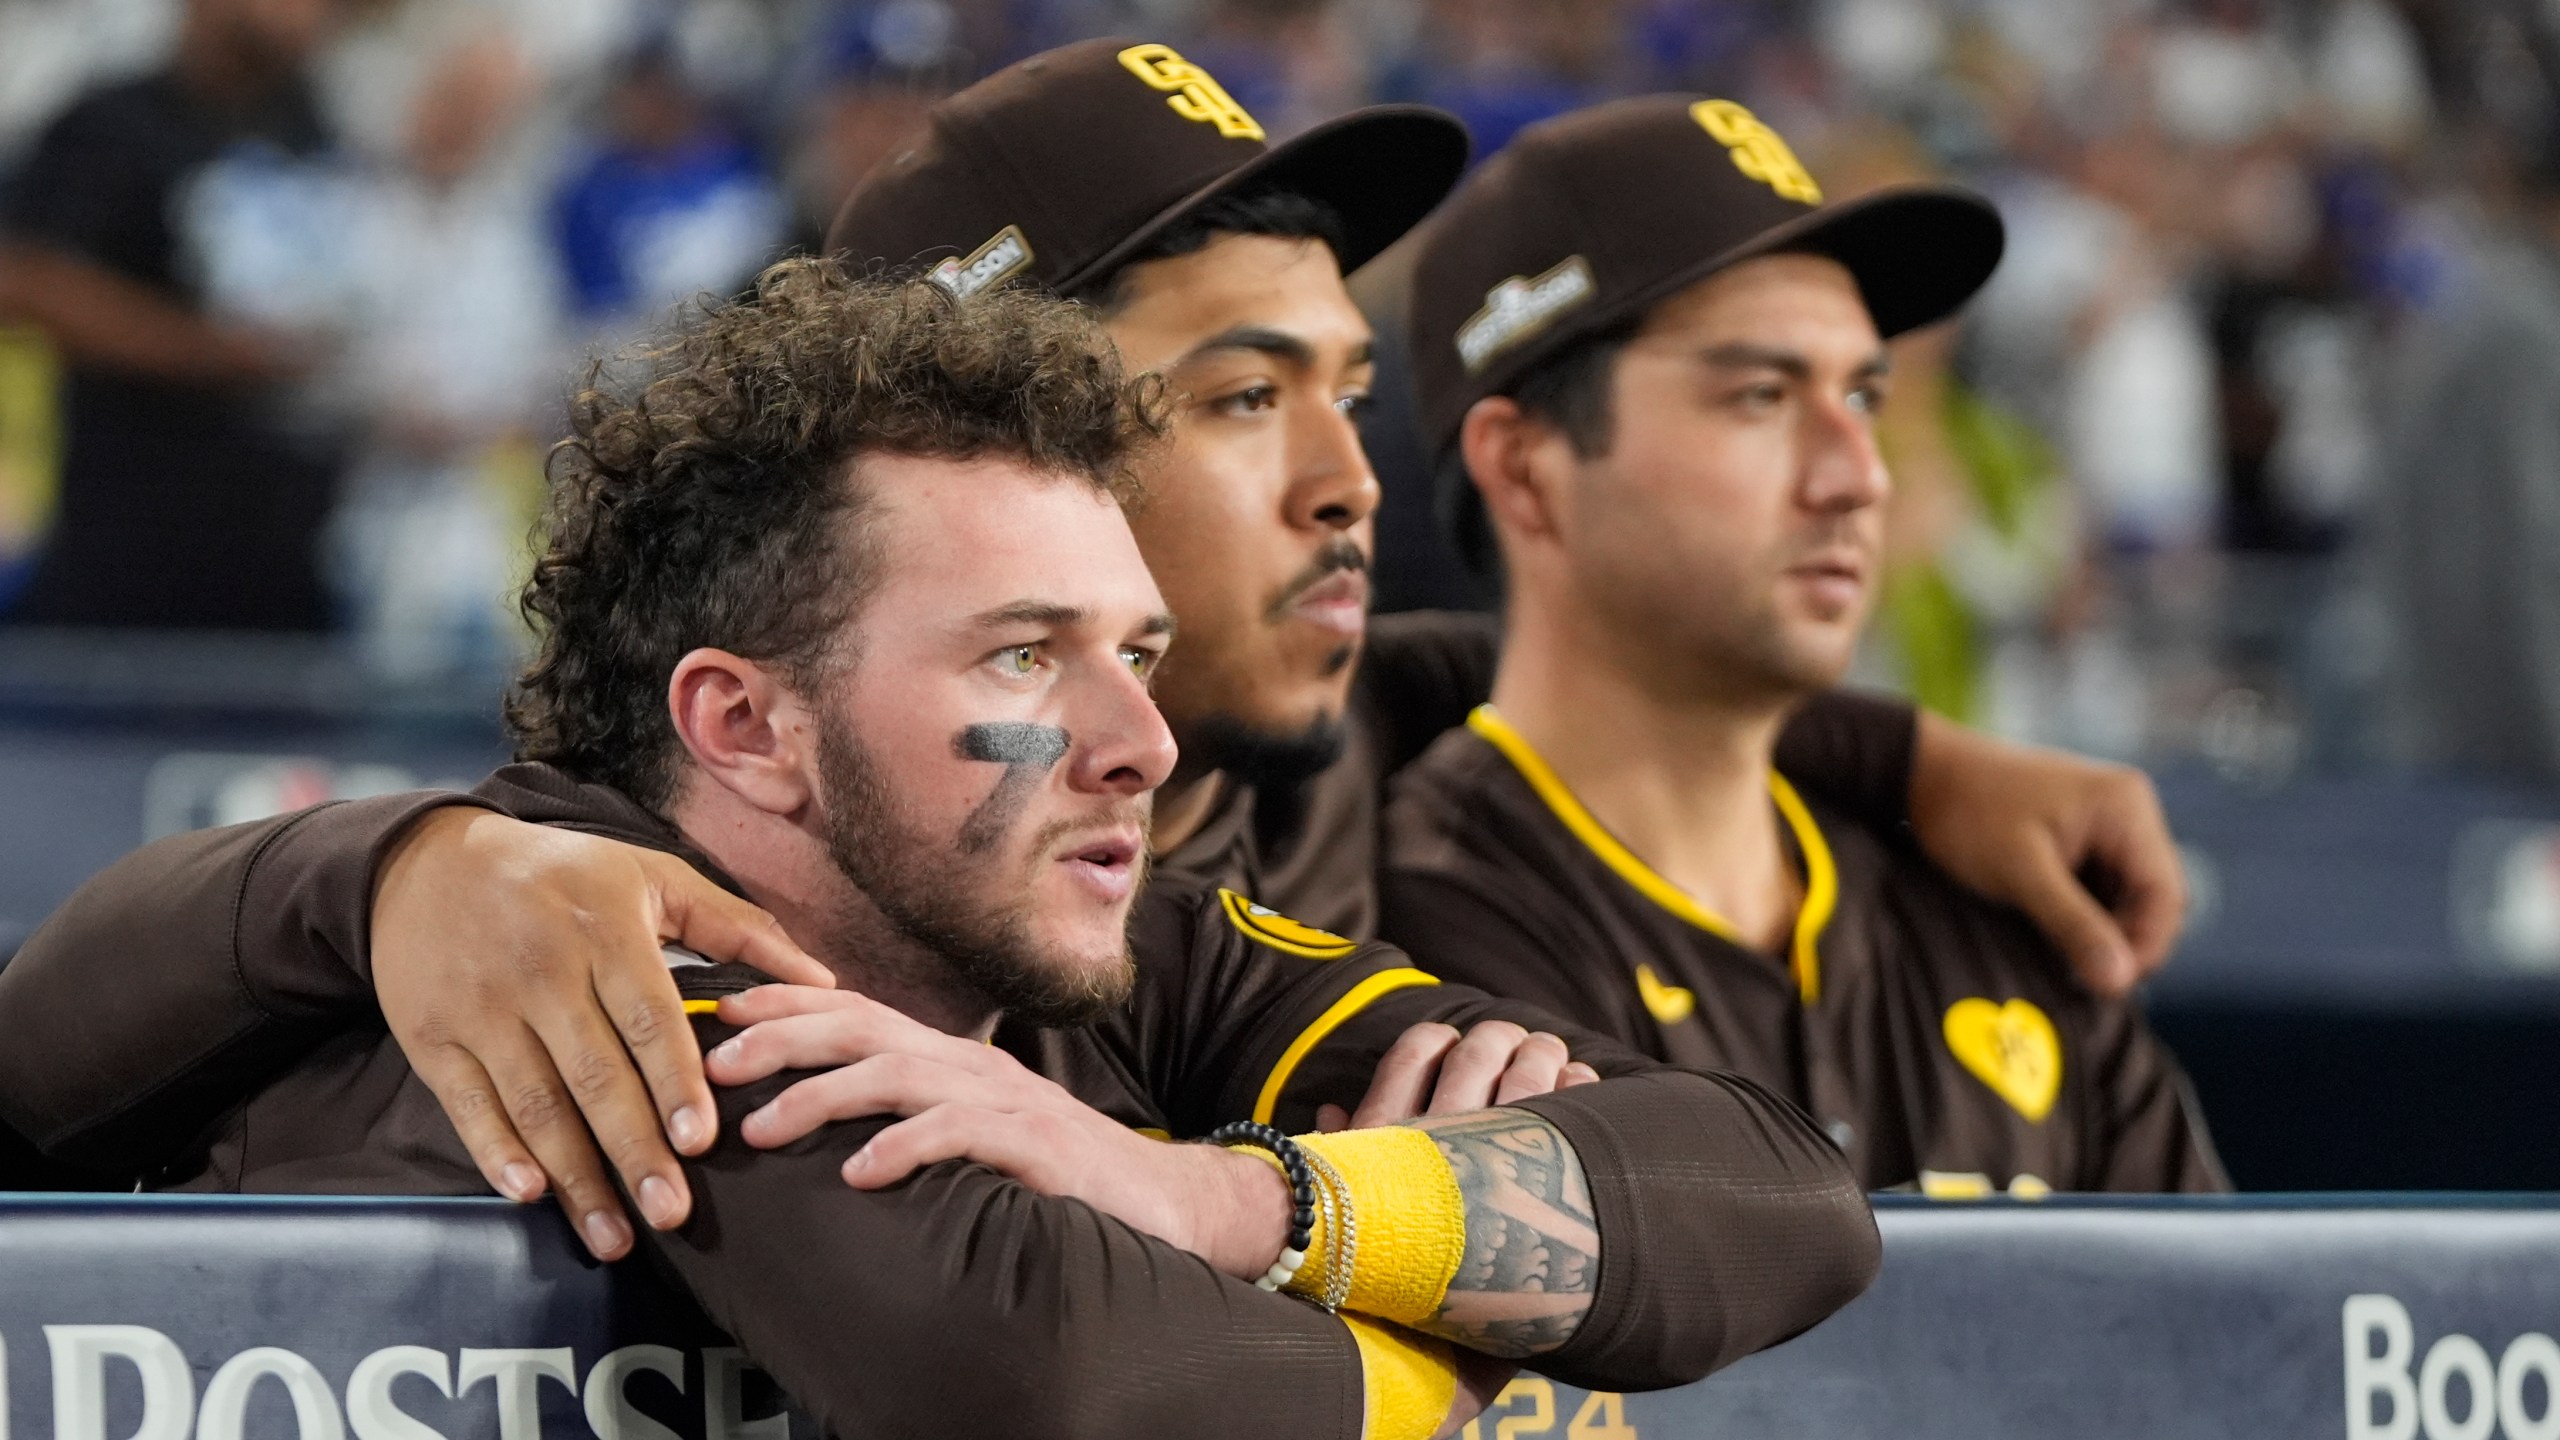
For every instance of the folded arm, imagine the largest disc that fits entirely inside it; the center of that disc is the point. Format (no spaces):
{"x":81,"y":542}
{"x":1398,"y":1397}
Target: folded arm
{"x":1492,"y":1228}
{"x":1737,"y":1224}
{"x":1076,"y":1323}
{"x":519,"y":967}
{"x":183,"y":976}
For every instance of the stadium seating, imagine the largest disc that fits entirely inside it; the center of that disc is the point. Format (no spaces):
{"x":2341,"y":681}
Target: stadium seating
{"x":218,"y":1318}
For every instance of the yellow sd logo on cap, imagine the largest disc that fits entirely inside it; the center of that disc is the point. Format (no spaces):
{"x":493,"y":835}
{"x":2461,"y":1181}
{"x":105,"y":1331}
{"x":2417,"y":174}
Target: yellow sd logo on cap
{"x":1193,"y":94}
{"x":1758,"y":151}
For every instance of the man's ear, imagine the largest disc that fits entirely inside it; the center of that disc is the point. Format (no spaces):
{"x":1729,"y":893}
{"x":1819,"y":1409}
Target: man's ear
{"x":1513,"y":459}
{"x":745,"y":730}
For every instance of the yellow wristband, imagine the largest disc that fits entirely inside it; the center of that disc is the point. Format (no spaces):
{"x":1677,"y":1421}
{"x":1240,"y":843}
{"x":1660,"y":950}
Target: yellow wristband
{"x":1406,"y":1379}
{"x":1408,"y":1217}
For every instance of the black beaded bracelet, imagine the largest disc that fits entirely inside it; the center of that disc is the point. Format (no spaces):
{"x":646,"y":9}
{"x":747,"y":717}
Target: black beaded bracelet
{"x":1302,"y":1193}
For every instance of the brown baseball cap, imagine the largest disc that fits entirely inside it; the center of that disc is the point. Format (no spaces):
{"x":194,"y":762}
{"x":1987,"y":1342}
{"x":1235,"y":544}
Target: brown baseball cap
{"x":1058,"y":168}
{"x":1592,"y":218}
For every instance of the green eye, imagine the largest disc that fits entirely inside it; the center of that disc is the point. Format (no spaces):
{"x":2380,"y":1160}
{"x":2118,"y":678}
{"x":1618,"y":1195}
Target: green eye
{"x":1139,"y":661}
{"x":1020,"y":660}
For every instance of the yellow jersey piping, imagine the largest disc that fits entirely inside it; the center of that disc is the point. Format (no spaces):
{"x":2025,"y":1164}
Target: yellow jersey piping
{"x":1821,"y":882}
{"x":1353,"y":1001}
{"x":1821,"y":886}
{"x":702,"y":1007}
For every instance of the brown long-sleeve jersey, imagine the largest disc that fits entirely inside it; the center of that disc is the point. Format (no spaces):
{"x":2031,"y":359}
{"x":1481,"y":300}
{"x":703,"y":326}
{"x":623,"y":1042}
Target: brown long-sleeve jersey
{"x":1937,"y":1036}
{"x":271,"y":919}
{"x":961,"y":1303}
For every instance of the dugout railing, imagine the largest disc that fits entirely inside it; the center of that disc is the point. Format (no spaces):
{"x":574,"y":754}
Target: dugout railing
{"x":221,"y":1318}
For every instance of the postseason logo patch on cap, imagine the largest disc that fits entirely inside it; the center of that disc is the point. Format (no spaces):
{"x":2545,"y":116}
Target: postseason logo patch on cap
{"x":1521,"y":307}
{"x":1004,"y":254}
{"x":1192,"y":94}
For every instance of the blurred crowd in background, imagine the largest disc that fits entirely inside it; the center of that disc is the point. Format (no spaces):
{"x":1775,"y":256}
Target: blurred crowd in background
{"x":2250,"y":456}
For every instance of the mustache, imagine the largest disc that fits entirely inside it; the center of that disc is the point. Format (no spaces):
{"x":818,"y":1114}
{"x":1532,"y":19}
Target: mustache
{"x":1338,"y":553}
{"x":1117,"y":815}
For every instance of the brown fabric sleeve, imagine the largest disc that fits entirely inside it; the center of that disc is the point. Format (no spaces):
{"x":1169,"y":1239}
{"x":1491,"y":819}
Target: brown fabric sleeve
{"x":1728,"y":1224}
{"x":186,"y":974}
{"x":1337,"y":1070}
{"x":864,"y":1305}
{"x":1474,"y":934}
{"x":2148,"y":1137}
{"x":1727,"y":1221}
{"x":1854,"y":750}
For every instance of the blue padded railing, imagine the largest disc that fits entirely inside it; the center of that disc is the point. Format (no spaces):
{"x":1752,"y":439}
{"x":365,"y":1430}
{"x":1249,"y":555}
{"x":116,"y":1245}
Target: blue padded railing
{"x":219,"y":1318}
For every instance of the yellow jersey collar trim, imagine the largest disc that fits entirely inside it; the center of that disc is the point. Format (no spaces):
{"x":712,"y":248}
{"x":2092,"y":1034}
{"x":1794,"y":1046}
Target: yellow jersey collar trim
{"x":1821,"y":882}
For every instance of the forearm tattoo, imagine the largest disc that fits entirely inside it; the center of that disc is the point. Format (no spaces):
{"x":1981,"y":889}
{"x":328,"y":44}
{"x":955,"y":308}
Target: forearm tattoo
{"x":1533,"y":1247}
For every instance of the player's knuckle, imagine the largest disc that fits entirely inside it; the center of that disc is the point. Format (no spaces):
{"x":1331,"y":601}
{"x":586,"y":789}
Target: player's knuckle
{"x":1429,"y":1037}
{"x":471,"y":1104}
{"x":435,"y":1031}
{"x":584,"y":1189}
{"x":594,"y":1074}
{"x":529,"y":963}
{"x":644,"y":1024}
{"x":1419,"y":1047}
{"x":937,"y":1128}
{"x":536,"y":1105}
{"x":632,"y":1151}
{"x":900,"y":1071}
{"x":797,"y":1107}
{"x":1486,"y":1043}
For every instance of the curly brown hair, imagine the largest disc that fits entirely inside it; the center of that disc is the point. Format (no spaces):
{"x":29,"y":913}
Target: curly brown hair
{"x":717,"y":499}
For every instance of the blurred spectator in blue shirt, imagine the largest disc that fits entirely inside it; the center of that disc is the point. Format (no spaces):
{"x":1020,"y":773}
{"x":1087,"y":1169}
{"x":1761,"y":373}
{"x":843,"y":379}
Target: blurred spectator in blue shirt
{"x":673,"y":201}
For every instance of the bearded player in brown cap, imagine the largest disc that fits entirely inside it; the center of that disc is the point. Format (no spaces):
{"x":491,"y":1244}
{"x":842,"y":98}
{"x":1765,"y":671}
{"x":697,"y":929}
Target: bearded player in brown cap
{"x":509,"y":956}
{"x":1653,"y":360}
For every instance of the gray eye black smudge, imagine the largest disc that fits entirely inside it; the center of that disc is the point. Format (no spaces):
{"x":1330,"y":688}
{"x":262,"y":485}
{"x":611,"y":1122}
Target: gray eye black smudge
{"x":1027,"y":752}
{"x":1012,"y":742}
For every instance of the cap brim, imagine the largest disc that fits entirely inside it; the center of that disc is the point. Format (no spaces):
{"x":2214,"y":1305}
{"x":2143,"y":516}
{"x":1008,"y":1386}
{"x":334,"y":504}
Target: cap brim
{"x":1381,"y":170}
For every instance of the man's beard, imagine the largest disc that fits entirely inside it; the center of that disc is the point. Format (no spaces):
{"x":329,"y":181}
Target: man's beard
{"x":920,"y":887}
{"x":1268,"y":760}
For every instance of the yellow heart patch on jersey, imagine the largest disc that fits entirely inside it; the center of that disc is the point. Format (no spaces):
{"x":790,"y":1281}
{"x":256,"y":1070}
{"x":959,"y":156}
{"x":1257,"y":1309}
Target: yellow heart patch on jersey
{"x":2011,"y":1048}
{"x":1269,"y":926}
{"x":1669,"y":1004}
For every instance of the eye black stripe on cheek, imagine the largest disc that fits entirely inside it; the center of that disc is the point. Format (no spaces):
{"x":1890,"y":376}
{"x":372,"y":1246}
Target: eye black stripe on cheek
{"x":1027,"y":751}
